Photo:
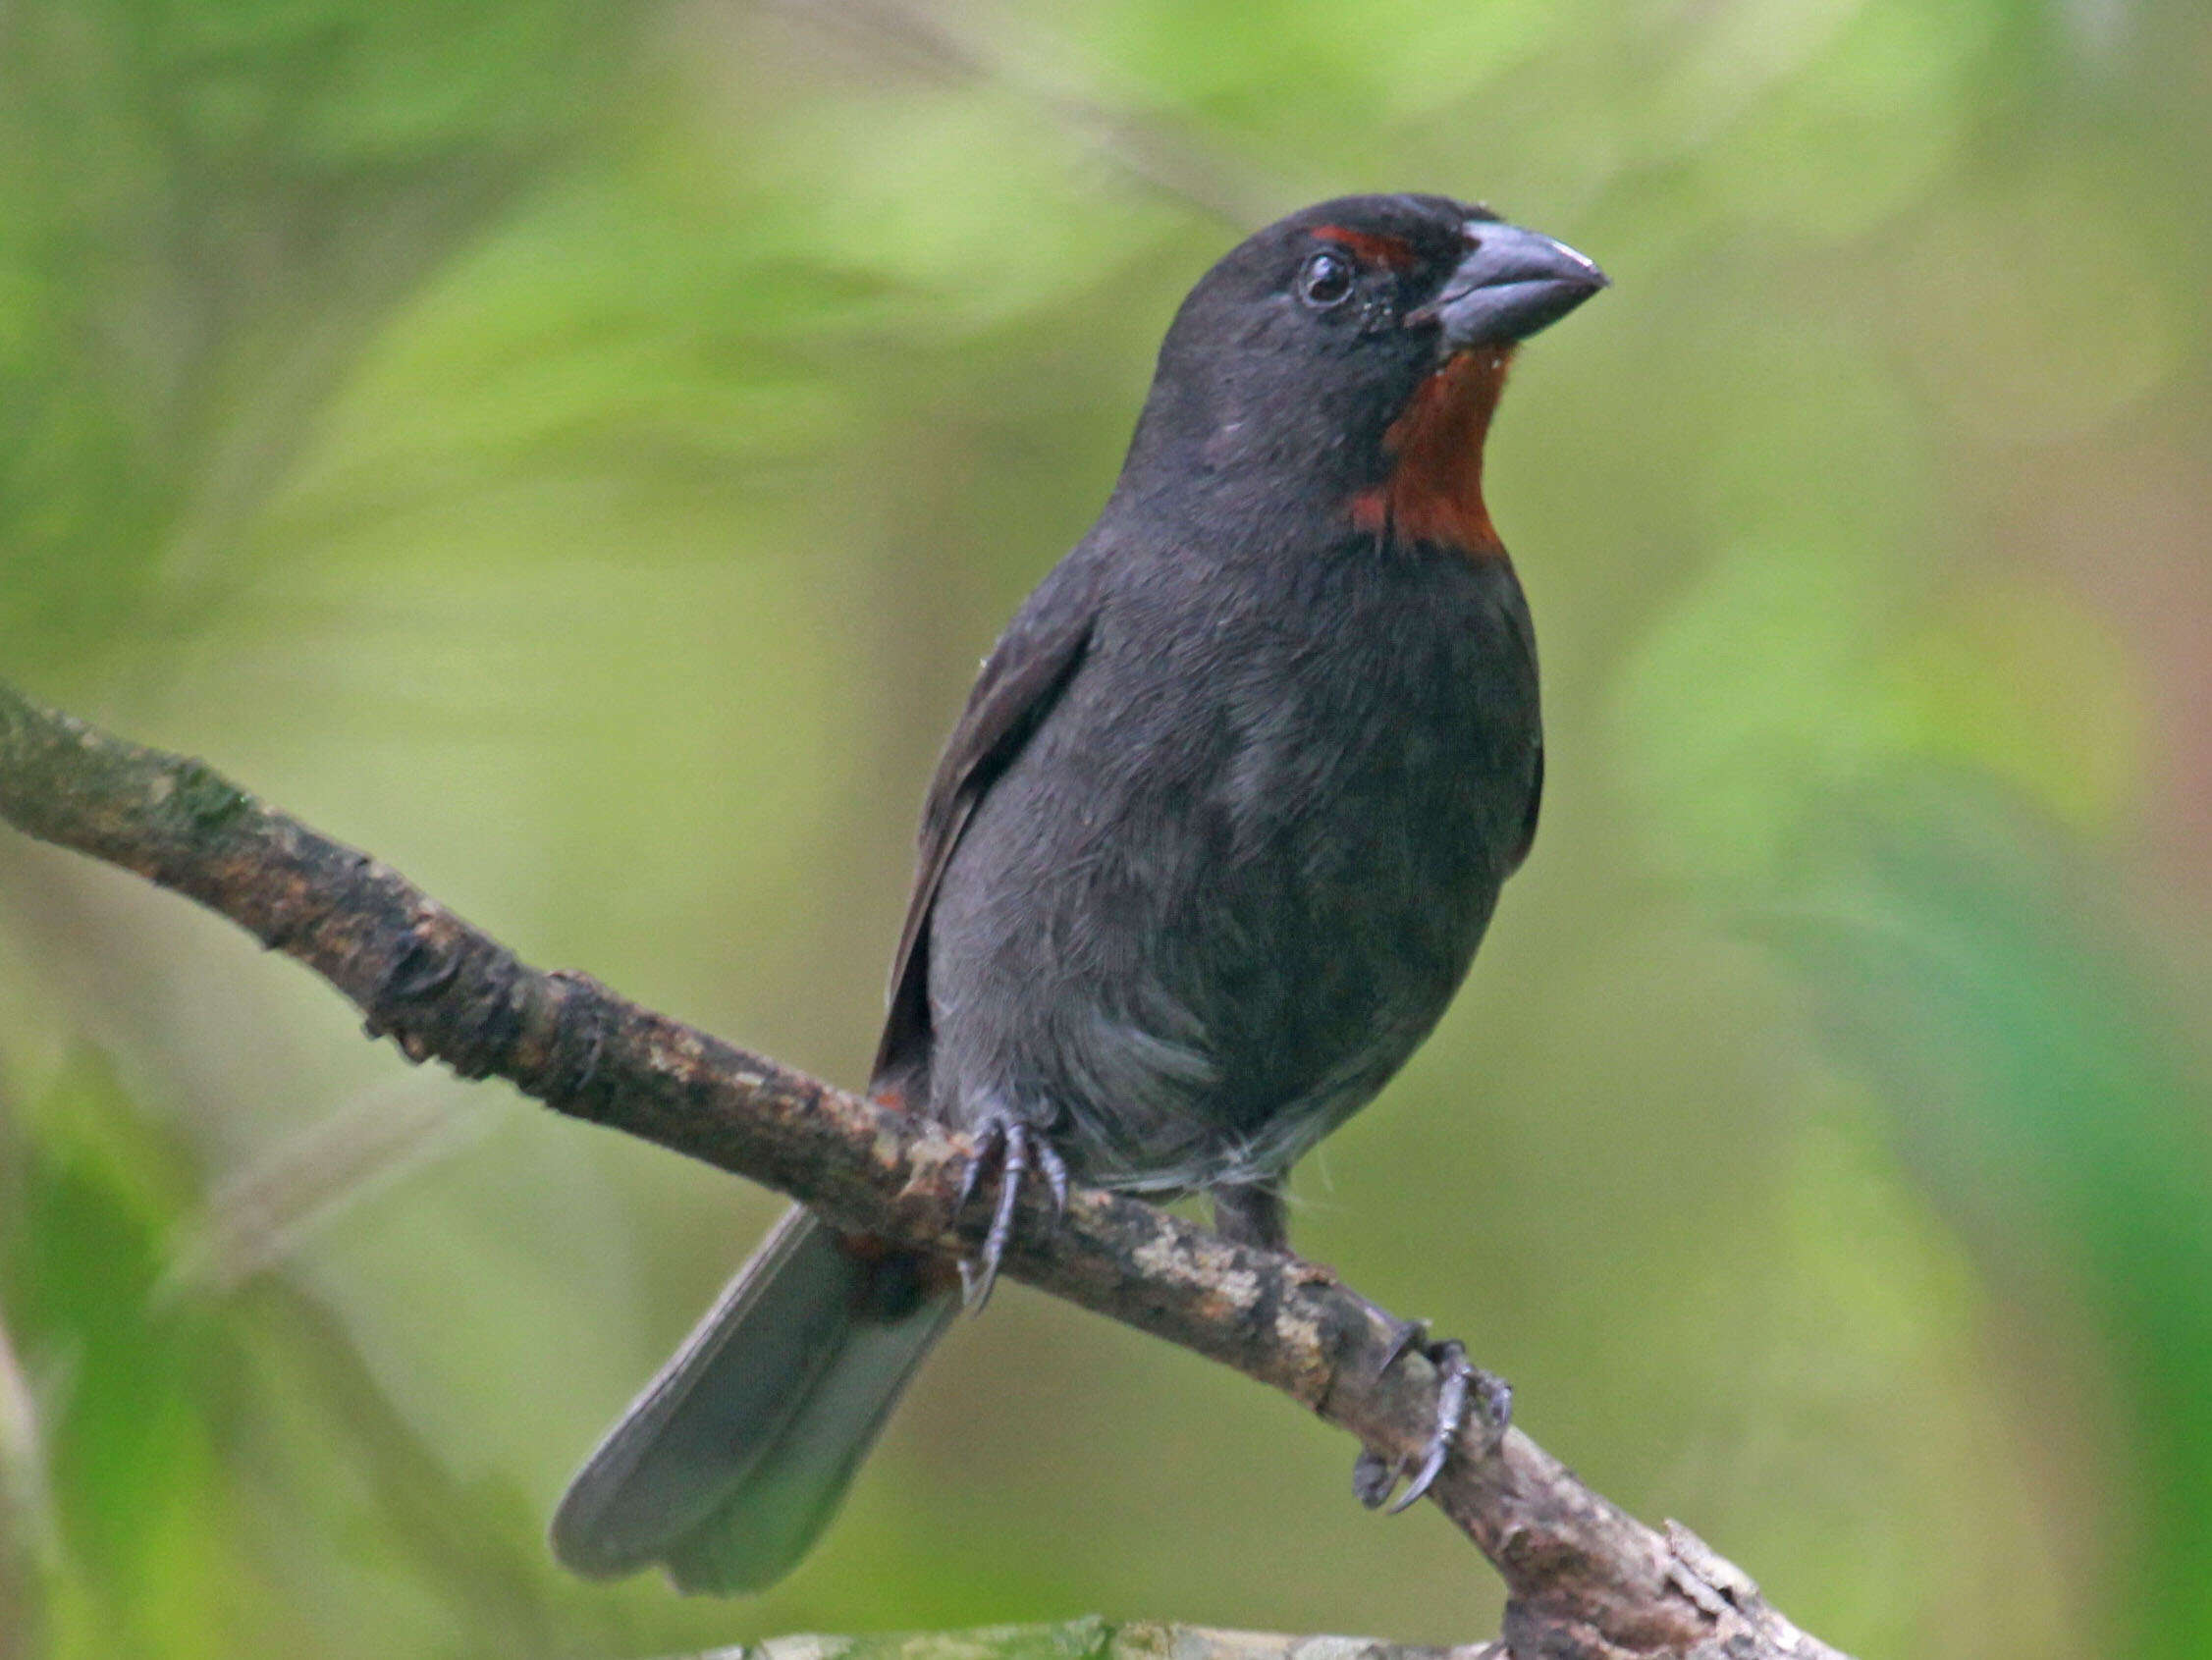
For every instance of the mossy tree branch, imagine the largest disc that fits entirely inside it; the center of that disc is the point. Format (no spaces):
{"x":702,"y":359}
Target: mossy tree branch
{"x":1584,"y":1580}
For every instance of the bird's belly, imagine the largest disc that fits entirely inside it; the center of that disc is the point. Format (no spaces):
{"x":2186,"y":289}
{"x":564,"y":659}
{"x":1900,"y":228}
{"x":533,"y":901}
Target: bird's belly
{"x":1217,"y":905}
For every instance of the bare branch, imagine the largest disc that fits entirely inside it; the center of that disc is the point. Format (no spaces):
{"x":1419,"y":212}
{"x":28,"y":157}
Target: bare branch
{"x":1151,"y":148}
{"x":1094,"y":1639}
{"x":1586,"y":1580}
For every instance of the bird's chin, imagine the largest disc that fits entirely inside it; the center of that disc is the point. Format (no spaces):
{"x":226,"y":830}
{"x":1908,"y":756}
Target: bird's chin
{"x":1475,"y":369}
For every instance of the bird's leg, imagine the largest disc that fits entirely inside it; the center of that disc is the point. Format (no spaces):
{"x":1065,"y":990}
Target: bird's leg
{"x":1251,"y":1213}
{"x":1015,"y":1145}
{"x":1460,"y":1385}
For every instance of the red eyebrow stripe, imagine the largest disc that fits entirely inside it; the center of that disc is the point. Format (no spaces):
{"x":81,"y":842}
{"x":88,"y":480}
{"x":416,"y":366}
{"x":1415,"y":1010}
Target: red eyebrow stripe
{"x":1393,"y":251}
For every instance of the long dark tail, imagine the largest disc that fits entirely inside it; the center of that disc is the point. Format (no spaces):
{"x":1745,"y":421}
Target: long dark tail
{"x":734,"y":1458}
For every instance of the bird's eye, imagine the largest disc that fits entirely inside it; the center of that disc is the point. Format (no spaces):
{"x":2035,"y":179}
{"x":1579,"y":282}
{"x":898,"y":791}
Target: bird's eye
{"x":1326,"y":279}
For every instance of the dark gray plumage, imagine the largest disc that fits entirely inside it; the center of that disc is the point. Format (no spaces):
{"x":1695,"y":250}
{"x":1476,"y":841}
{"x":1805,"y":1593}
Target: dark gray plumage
{"x":1236,"y":872}
{"x":1206,"y":855}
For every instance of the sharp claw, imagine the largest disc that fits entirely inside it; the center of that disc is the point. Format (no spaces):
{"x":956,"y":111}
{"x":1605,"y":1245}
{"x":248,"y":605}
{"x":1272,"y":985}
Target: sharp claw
{"x":1422,"y":1479}
{"x":1016,"y":1149}
{"x":1010,"y":1173}
{"x":1409,"y":1337}
{"x":1450,"y":1360}
{"x":980,"y":1271}
{"x":1460,"y":1387}
{"x":976,"y":1284}
{"x":1056,"y":1176}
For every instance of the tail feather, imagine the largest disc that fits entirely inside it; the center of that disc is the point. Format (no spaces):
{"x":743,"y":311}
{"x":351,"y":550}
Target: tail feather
{"x":734,"y":1458}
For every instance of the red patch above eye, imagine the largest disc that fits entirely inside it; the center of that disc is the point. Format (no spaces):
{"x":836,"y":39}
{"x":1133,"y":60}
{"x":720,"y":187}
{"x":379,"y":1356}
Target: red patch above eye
{"x":1376,"y":248}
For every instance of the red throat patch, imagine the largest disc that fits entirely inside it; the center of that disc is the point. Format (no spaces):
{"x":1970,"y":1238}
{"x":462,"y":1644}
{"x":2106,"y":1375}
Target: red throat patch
{"x":1434,"y":491}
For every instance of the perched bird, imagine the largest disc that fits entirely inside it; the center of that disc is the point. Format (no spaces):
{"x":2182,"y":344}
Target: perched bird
{"x":1205,"y":859}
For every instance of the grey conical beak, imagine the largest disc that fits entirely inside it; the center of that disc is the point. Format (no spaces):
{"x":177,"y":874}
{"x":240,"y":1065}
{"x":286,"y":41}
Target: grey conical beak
{"x":1510,"y":284}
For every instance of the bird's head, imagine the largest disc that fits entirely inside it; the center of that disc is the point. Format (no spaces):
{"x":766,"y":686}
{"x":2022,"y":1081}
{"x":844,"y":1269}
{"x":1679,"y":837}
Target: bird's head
{"x":1350,"y":357}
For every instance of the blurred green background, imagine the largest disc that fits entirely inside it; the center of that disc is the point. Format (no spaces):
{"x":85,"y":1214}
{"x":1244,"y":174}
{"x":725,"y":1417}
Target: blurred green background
{"x":580,"y":451}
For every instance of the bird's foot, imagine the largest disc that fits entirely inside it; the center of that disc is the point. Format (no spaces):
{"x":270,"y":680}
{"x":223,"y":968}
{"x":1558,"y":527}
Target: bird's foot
{"x":1016,"y":1147}
{"x":1251,"y":1213}
{"x":1462,"y":1387}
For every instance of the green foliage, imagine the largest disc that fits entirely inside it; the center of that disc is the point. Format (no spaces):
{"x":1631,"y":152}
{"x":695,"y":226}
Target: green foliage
{"x":579,"y":453}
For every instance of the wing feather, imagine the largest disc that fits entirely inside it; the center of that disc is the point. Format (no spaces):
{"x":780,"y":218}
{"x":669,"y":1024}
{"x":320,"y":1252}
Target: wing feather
{"x":1019,"y":683}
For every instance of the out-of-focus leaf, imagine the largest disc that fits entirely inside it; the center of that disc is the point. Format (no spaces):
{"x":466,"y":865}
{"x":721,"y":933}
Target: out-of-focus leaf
{"x":2046,"y":1097}
{"x":579,"y":452}
{"x":2030,"y":686}
{"x":206,"y":210}
{"x":187,"y":1438}
{"x":136,"y":1392}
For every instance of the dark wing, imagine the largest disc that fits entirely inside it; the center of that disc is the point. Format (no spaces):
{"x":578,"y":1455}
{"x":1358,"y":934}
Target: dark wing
{"x":1019,"y":683}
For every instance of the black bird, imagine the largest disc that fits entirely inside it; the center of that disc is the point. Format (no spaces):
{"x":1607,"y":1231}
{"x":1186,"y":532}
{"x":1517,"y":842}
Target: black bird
{"x":1205,"y":859}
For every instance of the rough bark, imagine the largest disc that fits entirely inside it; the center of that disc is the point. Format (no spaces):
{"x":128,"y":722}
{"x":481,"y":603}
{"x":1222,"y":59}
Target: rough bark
{"x":1585,"y":1580}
